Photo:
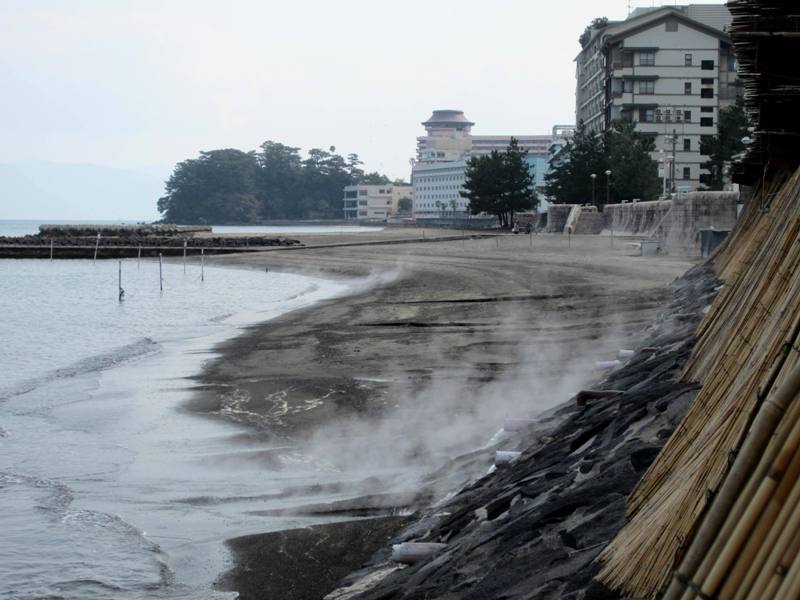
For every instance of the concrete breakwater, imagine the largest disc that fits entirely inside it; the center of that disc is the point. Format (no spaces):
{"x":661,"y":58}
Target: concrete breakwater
{"x":124,"y":241}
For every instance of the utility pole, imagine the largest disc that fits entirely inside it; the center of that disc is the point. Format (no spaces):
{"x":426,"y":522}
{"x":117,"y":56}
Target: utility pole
{"x":594,"y":178}
{"x":672,"y":166}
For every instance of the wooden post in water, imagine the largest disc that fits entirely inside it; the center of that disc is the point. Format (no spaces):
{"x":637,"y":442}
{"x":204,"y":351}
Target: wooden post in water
{"x":497,"y":239}
{"x":160,"y":276}
{"x":202,"y":263}
{"x":120,"y":291}
{"x":96,"y":245}
{"x":530,"y":235}
{"x":51,"y":248}
{"x":184,"y":257}
{"x":139,"y":257}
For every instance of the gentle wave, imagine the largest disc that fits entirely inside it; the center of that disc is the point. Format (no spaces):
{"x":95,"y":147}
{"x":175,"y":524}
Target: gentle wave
{"x":100,"y":362}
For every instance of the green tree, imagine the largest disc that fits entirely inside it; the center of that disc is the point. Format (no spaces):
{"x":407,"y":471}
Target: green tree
{"x":275,"y":182}
{"x":571,"y":182}
{"x":499,"y":184}
{"x":634,"y":174}
{"x":483,"y":184}
{"x":727,"y":143}
{"x":374,"y":178}
{"x":517,"y":182}
{"x":597,"y":23}
{"x":622,"y":150}
{"x":218,"y":187}
{"x":280,"y":181}
{"x":405,"y":205}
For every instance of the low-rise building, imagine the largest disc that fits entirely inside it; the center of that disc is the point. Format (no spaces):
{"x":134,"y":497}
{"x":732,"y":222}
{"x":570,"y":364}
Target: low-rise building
{"x":437,"y":187}
{"x":374,"y":202}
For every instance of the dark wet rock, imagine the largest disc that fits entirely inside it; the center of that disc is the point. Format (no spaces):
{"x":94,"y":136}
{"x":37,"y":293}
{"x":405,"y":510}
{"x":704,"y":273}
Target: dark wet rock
{"x":534,"y":528}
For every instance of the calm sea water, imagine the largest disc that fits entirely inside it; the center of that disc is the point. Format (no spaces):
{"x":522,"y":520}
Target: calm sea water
{"x":109,"y":488}
{"x":29,"y":227}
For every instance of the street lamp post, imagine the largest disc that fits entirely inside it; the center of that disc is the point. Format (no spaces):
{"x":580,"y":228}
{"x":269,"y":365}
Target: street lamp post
{"x":608,"y":201}
{"x":594,"y":177}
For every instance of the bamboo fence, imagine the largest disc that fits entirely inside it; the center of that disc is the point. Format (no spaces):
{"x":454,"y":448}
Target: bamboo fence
{"x":747,"y":345}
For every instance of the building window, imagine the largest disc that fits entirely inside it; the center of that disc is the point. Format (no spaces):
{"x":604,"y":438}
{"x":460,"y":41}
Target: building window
{"x":687,"y":116}
{"x":687,"y":60}
{"x":647,"y":87}
{"x":707,"y":93}
{"x":627,"y":85}
{"x":647,"y":59}
{"x":707,"y":81}
{"x":707,"y":65}
{"x":362,"y":192}
{"x":707,"y":109}
{"x":706,"y":122}
{"x":687,"y":145}
{"x":687,"y":88}
{"x":671,"y":25}
{"x":362,"y":202}
{"x":647,"y":115}
{"x":350,"y":194}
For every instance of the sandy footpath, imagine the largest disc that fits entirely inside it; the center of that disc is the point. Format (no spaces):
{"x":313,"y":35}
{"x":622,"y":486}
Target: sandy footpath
{"x":438,"y":342}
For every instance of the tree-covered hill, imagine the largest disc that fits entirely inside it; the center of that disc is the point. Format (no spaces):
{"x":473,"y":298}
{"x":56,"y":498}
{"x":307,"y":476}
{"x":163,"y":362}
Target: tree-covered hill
{"x":274,"y":182}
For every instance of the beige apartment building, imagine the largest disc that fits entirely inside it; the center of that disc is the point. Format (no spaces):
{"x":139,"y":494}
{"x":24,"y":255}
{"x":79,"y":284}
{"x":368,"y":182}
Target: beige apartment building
{"x":669,"y":70}
{"x":375,"y":202}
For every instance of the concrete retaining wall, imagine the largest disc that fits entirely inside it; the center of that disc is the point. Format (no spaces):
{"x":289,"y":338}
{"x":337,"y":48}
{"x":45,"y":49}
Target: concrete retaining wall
{"x":675,"y":223}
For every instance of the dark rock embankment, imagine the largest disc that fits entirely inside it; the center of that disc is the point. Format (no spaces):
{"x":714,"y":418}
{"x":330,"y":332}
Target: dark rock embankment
{"x":533,"y":528}
{"x":125,"y":246}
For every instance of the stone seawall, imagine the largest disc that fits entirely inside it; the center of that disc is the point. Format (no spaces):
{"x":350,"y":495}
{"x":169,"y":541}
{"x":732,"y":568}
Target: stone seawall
{"x":675,"y":223}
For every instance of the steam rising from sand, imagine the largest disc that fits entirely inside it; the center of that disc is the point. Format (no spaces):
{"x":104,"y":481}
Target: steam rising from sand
{"x":458,"y":407}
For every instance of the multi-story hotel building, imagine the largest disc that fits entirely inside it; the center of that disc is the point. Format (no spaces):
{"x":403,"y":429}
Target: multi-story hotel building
{"x":669,"y":70}
{"x":438,"y":172}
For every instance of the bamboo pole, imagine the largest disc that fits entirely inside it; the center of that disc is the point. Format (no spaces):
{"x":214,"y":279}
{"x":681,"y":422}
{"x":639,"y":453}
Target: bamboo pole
{"x":767,"y":420}
{"x":724,"y":535}
{"x":744,"y":527}
{"x":766,"y":582}
{"x":790,"y":580}
{"x":754,"y":555}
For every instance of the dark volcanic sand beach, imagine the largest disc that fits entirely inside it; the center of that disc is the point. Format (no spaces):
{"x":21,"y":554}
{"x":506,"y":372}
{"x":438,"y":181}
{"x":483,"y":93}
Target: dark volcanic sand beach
{"x":438,"y":342}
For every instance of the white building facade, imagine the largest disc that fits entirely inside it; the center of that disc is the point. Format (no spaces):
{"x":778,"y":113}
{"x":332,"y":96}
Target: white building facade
{"x":438,"y":171}
{"x":375,"y":202}
{"x":669,"y":70}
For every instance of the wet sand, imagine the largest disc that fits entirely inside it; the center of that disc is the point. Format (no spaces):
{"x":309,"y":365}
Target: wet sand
{"x":509,"y":322}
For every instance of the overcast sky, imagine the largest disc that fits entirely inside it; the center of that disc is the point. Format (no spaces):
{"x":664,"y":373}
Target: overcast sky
{"x":146,"y":83}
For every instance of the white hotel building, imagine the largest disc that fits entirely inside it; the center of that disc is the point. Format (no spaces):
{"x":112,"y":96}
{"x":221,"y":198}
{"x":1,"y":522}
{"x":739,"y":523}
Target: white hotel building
{"x":669,"y":70}
{"x":438,"y":171}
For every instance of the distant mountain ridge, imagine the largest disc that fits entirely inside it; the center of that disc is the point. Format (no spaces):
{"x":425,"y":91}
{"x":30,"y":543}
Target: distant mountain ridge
{"x":47,"y":190}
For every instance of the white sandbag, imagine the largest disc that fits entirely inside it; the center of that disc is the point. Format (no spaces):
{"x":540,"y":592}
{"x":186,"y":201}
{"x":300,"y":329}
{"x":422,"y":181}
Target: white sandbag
{"x":411,"y":552}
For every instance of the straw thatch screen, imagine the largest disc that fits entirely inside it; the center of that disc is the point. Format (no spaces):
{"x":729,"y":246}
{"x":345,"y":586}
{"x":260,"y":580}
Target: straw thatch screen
{"x":747,"y":344}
